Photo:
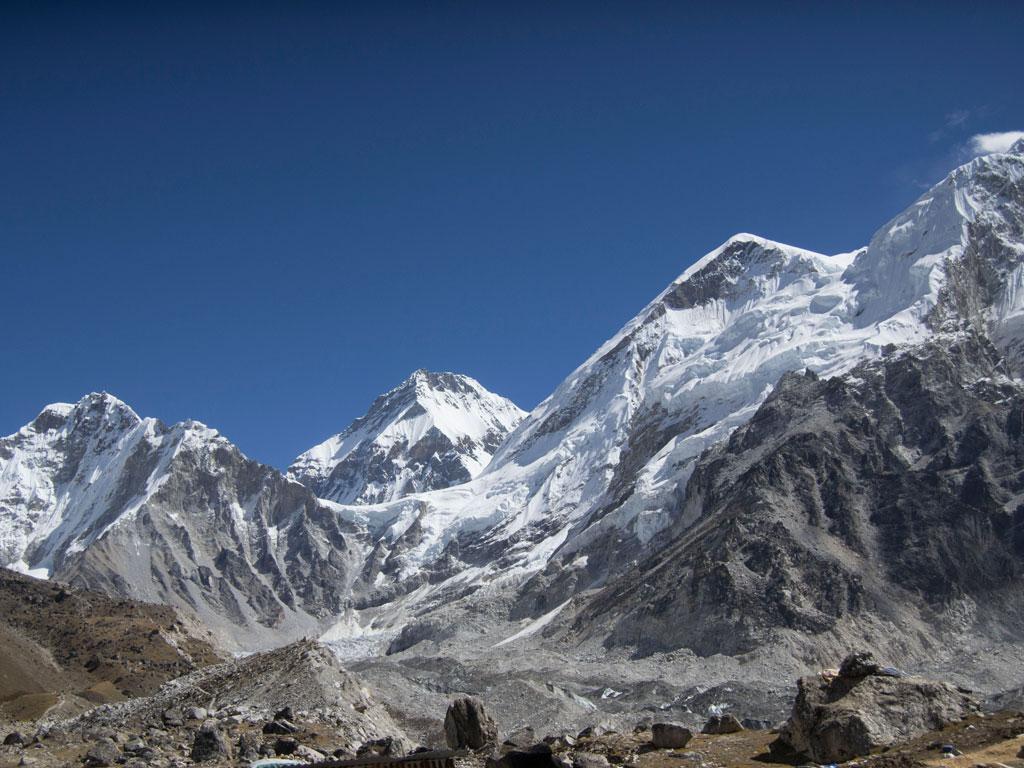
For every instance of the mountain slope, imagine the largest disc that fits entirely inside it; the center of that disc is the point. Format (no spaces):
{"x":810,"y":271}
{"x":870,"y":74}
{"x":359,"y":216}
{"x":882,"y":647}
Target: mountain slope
{"x":598,"y":471}
{"x":65,"y":643}
{"x":892,"y":493}
{"x":433,"y":431}
{"x":93,"y":495}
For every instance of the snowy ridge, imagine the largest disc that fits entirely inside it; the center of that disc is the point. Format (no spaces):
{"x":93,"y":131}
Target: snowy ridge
{"x":71,"y":476}
{"x":599,"y":468}
{"x":443,"y":492}
{"x":94,"y":495}
{"x":432,"y":431}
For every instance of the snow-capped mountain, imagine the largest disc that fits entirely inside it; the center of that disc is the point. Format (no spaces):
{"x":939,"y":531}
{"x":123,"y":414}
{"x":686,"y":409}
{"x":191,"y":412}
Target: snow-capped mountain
{"x":434,"y":430}
{"x":93,"y":494}
{"x":595,"y":474}
{"x":453,"y":503}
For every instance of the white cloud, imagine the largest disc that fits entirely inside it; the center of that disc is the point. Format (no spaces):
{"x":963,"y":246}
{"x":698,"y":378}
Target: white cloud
{"x":987,"y":143}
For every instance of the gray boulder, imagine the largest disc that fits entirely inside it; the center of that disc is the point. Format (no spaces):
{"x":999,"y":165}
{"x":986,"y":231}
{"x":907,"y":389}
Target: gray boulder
{"x":589,"y":760}
{"x":719,"y":724}
{"x":103,"y":753}
{"x":173,"y":718}
{"x":468,"y":726}
{"x":837,"y":718}
{"x":210,"y":744}
{"x":670,"y":735}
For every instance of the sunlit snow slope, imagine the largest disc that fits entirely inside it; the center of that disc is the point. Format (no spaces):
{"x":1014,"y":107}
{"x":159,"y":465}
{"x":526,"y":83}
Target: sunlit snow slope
{"x":599,"y":468}
{"x":433,"y":431}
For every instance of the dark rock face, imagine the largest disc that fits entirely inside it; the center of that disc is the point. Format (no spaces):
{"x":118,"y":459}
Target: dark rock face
{"x":468,"y":726}
{"x":871,"y":492}
{"x":210,"y":744}
{"x":670,"y":735}
{"x":838,"y":718}
{"x":417,"y":632}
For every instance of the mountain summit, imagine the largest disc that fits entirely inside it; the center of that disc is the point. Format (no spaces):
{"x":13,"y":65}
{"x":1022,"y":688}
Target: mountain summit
{"x":432,"y":431}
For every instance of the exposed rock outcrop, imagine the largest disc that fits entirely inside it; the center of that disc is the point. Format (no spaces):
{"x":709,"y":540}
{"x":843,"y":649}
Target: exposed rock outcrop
{"x":209,"y":743}
{"x":468,"y":726}
{"x":839,"y":717}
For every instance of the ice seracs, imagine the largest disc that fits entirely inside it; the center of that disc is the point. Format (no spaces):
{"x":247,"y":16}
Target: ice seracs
{"x":433,"y":431}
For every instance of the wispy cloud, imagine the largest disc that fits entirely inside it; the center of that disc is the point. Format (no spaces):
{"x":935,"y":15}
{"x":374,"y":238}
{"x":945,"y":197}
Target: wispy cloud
{"x":957,"y":117}
{"x":987,"y":143}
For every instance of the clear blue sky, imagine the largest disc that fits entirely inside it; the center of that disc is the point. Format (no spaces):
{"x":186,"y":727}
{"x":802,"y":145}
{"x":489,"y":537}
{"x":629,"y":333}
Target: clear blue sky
{"x":261,"y":219}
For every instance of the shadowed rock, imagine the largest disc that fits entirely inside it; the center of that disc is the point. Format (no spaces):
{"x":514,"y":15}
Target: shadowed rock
{"x":468,"y":726}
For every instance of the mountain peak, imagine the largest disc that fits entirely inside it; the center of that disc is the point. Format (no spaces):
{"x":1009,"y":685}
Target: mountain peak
{"x":432,"y":431}
{"x":94,"y":408}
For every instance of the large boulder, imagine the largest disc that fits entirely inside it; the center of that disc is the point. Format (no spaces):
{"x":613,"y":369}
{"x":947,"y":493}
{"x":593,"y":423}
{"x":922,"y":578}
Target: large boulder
{"x":837,"y":717}
{"x":468,"y":726}
{"x":719,"y":724}
{"x":670,"y":735}
{"x":102,"y":754}
{"x":209,"y":743}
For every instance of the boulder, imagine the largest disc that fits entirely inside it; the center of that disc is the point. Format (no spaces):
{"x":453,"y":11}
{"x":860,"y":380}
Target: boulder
{"x":103,"y":753}
{"x":389,"y":746}
{"x":248,"y":747}
{"x":310,"y":755}
{"x":285,"y":746}
{"x":468,"y":726}
{"x":589,"y":760}
{"x":719,"y":724}
{"x":173,"y":718}
{"x":285,"y":713}
{"x":196,"y":713}
{"x":839,"y":717}
{"x":209,"y":743}
{"x":670,"y":735}
{"x":134,"y":746}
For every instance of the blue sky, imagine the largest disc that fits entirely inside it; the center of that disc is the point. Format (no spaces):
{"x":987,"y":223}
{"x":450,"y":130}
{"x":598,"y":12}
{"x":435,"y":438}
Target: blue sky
{"x":261,"y":219}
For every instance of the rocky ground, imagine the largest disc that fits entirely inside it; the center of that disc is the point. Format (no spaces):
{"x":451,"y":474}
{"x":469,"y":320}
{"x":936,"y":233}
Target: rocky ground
{"x":72,"y":649}
{"x":299,"y":702}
